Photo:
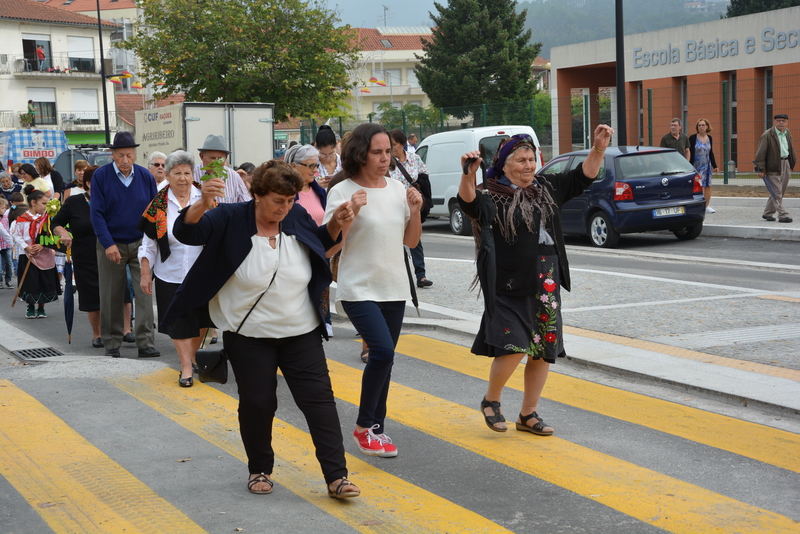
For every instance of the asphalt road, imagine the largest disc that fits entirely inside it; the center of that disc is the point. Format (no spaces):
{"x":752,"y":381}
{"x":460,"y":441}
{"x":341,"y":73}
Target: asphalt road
{"x":95,"y":445}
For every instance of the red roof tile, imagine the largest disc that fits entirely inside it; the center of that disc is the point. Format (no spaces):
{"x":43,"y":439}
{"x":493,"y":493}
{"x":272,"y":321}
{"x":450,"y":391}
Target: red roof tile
{"x":30,"y":10}
{"x":91,"y":5}
{"x":370,"y":39}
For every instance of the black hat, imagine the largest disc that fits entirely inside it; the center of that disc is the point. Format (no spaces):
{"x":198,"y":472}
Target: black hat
{"x":123,"y":140}
{"x":781,"y":116}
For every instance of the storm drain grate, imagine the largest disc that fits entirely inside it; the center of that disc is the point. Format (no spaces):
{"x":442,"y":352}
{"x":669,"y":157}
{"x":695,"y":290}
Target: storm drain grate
{"x":32,"y":354}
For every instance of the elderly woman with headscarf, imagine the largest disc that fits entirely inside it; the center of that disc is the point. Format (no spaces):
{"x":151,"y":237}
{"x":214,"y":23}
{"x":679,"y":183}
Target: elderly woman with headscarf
{"x":522,"y":264}
{"x":171,"y":260}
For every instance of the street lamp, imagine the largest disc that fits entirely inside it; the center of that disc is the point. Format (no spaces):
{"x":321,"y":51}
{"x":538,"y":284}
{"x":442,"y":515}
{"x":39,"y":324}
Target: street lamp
{"x":103,"y":74}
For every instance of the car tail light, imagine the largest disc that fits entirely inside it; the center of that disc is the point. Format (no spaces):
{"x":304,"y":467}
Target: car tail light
{"x":622,"y":191}
{"x":698,"y":184}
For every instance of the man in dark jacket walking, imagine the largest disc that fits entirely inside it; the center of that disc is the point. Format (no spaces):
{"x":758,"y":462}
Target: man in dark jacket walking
{"x":775,"y":159}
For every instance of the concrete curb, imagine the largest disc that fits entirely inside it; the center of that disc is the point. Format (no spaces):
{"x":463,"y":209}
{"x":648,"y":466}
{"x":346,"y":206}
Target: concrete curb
{"x":751,"y":232}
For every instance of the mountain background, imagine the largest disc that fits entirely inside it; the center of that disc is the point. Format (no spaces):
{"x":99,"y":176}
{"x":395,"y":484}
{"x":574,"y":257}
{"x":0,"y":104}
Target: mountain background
{"x":563,"y":22}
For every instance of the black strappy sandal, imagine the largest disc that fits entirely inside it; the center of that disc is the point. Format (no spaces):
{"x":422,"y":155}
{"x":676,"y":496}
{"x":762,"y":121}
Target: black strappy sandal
{"x":340,"y":493}
{"x":492,"y":420}
{"x":260,"y":478}
{"x":365,"y":355}
{"x":537,"y":429}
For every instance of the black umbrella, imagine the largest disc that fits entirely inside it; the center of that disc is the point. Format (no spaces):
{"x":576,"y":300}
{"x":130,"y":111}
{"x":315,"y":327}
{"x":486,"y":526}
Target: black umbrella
{"x":69,"y":297}
{"x":414,"y":298}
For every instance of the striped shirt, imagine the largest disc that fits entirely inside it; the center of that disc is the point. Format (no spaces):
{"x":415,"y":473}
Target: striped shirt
{"x":235,"y":188}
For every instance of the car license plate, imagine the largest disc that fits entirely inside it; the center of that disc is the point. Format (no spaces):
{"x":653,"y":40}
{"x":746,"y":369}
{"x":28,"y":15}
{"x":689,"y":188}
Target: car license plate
{"x":668,"y":212}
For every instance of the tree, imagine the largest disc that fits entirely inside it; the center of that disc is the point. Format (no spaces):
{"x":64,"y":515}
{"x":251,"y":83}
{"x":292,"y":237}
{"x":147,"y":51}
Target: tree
{"x":478,"y":54}
{"x":737,"y":8}
{"x":289,"y":52}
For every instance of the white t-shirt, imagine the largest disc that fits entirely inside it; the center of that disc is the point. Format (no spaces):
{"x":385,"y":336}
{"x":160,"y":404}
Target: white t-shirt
{"x":372,"y":266}
{"x":286,"y":310}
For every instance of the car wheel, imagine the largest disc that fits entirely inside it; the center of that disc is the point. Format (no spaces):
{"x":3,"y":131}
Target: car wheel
{"x":602,"y":232}
{"x":459,"y":223}
{"x":685,"y":234}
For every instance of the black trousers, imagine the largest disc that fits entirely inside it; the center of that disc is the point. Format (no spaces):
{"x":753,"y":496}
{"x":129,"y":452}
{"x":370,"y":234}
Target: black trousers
{"x":255,"y":362}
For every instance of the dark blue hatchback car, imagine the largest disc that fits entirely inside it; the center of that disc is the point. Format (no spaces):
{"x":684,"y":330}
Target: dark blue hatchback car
{"x":639,"y":189}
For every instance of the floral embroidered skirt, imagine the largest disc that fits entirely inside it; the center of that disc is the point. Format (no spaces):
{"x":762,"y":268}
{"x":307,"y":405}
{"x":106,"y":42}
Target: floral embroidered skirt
{"x":529,"y":324}
{"x":40,"y":286}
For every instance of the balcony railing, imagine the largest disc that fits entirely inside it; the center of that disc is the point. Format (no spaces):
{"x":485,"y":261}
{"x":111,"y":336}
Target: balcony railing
{"x":6,"y":119}
{"x":70,"y":121}
{"x":57,"y":64}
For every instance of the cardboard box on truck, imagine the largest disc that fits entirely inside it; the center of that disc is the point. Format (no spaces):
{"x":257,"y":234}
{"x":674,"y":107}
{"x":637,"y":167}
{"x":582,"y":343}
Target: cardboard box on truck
{"x":247,"y":127}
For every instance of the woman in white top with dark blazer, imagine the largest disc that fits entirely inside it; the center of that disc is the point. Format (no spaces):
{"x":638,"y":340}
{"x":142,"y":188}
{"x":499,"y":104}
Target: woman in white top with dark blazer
{"x":372,"y":282}
{"x":246,"y":246}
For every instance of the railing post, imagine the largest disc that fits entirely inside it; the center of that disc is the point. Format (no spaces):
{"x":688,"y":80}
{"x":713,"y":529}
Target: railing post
{"x":441,"y":119}
{"x":341,"y":130}
{"x":370,"y":116}
{"x":725,"y":140}
{"x":313,"y":130}
{"x":650,"y":117}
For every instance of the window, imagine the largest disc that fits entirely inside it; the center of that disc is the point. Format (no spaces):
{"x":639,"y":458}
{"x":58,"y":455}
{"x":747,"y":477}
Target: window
{"x":601,"y":174}
{"x":35,"y":45}
{"x":390,"y":76}
{"x":411,"y":76}
{"x":395,"y":105}
{"x":768,"y":98}
{"x":44,"y":99}
{"x":640,"y":106}
{"x":84,"y":106}
{"x":684,"y":103}
{"x":556,"y":166}
{"x":386,"y":43}
{"x":81,"y":54}
{"x":734,"y":117}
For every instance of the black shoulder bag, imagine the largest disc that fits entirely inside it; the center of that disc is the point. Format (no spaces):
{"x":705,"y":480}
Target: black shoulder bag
{"x":212,"y":364}
{"x":421,"y":184}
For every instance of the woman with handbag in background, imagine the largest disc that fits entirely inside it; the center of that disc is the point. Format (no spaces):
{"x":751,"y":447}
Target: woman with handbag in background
{"x":373,"y":283}
{"x":408,"y":167}
{"x":261,"y":274}
{"x":171,"y":260}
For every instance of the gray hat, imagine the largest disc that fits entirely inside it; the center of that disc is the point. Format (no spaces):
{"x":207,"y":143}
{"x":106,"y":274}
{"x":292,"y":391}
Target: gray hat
{"x":215,"y":142}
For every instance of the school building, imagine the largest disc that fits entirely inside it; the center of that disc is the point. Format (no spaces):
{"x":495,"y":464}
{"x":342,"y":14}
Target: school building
{"x":736,"y":72}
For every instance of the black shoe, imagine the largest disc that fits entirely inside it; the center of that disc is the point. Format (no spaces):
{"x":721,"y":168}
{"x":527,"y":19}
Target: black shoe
{"x":149,"y":352}
{"x":213,"y":341}
{"x":424,"y":283}
{"x":785,"y":219}
{"x":98,"y":342}
{"x":114,"y":353}
{"x":769,"y":218}
{"x":129,"y":338}
{"x":185,"y":382}
{"x":195,"y":369}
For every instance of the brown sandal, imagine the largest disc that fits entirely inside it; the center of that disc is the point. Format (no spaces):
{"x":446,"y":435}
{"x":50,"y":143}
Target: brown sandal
{"x":341,"y":493}
{"x":537,"y":428}
{"x":260,"y":478}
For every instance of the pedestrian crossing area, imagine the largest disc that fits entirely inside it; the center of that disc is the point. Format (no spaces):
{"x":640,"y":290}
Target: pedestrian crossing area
{"x":174,"y":462}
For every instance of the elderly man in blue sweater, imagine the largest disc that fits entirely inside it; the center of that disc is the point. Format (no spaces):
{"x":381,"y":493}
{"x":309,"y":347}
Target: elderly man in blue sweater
{"x":121,"y":191}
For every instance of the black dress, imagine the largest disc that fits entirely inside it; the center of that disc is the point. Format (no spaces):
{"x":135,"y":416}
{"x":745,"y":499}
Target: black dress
{"x":74,"y":216}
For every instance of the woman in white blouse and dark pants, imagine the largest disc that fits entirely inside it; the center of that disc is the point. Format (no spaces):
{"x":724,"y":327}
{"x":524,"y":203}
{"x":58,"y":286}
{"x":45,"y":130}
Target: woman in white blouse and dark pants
{"x":170,"y":260}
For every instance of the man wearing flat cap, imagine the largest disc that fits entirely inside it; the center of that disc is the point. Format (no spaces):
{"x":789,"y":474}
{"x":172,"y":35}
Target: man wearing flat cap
{"x":216,"y":147}
{"x":775,"y":159}
{"x":121,"y":191}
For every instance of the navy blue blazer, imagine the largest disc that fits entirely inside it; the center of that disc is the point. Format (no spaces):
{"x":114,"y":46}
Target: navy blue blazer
{"x":226,"y":232}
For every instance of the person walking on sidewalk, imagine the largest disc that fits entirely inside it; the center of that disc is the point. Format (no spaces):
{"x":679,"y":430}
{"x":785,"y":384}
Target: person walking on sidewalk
{"x":701,"y":156}
{"x":373,"y":285}
{"x":675,"y":139}
{"x":522,"y":264}
{"x":775,"y":159}
{"x":121,"y":191}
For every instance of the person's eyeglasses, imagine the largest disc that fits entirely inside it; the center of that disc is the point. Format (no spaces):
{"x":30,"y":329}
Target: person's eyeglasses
{"x":312,"y":166}
{"x":158,"y":164}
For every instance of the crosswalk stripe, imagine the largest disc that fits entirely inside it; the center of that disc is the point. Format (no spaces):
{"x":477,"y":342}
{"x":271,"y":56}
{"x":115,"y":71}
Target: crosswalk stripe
{"x":759,"y":442}
{"x":660,"y":500}
{"x":387,"y":503}
{"x":70,"y":483}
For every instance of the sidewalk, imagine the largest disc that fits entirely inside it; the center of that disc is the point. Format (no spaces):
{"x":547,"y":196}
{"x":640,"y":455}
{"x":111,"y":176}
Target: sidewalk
{"x":741,"y":217}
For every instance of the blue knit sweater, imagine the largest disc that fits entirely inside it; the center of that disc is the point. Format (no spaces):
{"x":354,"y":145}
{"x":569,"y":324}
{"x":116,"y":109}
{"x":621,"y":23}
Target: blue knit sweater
{"x":116,"y":209}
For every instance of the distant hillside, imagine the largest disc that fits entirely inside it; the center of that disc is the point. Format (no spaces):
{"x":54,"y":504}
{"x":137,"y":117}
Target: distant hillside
{"x":562,"y":22}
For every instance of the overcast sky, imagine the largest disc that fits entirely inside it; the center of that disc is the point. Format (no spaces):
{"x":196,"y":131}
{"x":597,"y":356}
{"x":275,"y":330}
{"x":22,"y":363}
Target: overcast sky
{"x":369,"y":14}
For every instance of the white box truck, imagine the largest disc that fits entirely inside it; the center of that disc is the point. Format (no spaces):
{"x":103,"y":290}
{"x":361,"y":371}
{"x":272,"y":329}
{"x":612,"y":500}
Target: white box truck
{"x":248,"y":127}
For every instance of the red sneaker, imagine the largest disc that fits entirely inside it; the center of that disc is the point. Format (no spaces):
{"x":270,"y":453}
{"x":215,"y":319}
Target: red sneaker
{"x":368,"y":443}
{"x":389,"y":450}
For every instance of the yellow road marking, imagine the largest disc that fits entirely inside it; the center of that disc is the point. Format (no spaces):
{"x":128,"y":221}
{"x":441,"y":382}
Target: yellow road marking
{"x":70,"y":483}
{"x":687,"y":354}
{"x":660,"y":500}
{"x":779,"y":297}
{"x":762,"y":443}
{"x":387,"y":504}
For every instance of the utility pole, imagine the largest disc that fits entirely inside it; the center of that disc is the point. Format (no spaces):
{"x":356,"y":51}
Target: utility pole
{"x":622,"y":118}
